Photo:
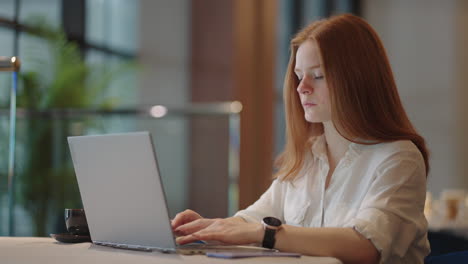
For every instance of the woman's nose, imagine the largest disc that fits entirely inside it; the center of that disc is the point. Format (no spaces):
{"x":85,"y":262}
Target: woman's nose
{"x":304,"y":87}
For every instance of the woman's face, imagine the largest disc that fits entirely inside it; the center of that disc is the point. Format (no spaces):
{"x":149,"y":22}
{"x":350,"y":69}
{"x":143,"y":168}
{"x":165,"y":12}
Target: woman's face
{"x":312,"y":88}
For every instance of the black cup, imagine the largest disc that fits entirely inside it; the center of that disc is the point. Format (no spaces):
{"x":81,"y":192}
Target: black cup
{"x":75,"y":220}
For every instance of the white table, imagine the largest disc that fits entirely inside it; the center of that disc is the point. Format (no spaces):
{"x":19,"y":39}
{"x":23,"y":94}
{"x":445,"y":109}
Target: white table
{"x":15,"y":250}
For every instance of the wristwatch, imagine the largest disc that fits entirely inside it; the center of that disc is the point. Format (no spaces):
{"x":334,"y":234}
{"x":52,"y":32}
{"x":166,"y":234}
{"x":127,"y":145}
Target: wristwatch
{"x":271,"y":225}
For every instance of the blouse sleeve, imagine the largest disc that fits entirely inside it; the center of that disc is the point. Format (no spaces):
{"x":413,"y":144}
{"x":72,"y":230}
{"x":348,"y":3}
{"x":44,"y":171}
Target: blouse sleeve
{"x":269,"y":204}
{"x":392,"y":213}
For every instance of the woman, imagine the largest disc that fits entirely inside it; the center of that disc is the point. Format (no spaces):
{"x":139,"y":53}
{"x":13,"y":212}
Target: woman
{"x":352,"y":179}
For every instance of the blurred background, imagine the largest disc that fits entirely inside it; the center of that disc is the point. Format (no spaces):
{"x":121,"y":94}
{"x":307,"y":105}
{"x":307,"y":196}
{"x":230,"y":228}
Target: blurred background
{"x":205,"y":78}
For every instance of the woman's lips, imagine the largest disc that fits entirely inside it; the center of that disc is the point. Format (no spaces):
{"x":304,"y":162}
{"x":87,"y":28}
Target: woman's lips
{"x":308,"y":104}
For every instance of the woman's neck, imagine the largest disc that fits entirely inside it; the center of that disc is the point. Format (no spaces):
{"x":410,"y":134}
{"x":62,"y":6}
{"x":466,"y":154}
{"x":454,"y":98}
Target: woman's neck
{"x":336,"y":143}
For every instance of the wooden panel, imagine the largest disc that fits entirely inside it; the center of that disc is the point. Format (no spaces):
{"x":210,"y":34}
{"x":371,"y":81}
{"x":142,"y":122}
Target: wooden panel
{"x":254,"y":31}
{"x":233,"y":45}
{"x":212,"y":80}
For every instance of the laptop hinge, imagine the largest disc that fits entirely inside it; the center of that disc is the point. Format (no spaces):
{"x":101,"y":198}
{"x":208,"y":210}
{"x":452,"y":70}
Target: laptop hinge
{"x":132,"y":247}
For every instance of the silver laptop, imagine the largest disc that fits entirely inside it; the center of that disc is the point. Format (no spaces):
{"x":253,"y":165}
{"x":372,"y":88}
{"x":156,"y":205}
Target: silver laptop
{"x":122,"y":194}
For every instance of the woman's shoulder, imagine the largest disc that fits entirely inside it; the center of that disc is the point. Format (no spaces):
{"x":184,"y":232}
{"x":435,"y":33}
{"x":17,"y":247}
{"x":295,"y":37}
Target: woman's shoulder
{"x":400,"y":153}
{"x":399,"y":149}
{"x":399,"y":146}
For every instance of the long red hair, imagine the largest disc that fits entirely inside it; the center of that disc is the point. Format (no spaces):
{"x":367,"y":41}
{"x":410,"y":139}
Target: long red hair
{"x":366,"y":106}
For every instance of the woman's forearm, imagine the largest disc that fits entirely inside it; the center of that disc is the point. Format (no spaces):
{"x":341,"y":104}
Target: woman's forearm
{"x":343,"y":243}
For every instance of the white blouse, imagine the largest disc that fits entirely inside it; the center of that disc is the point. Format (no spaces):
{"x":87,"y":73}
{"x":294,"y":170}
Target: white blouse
{"x":379,"y":190}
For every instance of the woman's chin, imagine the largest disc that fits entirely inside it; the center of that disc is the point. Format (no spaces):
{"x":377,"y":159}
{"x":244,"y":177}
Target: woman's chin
{"x":313,"y":119}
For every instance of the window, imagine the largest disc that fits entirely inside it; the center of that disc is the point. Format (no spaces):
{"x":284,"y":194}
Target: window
{"x":106,"y":33}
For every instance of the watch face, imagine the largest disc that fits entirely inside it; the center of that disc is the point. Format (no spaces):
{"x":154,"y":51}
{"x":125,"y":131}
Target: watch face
{"x":272,"y":221}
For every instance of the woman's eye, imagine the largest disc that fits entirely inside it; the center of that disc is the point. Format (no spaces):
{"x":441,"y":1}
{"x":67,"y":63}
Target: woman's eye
{"x":318,"y":77}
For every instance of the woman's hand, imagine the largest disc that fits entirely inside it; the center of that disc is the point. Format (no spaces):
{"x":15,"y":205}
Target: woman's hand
{"x":184,"y":218}
{"x":230,"y":231}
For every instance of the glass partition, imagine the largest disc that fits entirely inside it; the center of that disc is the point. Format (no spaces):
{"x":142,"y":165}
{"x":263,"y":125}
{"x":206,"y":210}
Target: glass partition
{"x":10,"y":65}
{"x":4,"y":145}
{"x":45,"y":181}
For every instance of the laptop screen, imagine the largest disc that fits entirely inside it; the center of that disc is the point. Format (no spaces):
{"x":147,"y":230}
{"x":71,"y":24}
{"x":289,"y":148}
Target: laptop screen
{"x":121,"y":189}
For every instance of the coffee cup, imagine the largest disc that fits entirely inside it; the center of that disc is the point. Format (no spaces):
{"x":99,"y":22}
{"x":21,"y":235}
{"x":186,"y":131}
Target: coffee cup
{"x":452,"y":201}
{"x":75,"y":220}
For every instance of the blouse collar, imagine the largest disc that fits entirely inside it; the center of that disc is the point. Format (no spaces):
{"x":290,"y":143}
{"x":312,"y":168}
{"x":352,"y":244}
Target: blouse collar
{"x":319,"y":150}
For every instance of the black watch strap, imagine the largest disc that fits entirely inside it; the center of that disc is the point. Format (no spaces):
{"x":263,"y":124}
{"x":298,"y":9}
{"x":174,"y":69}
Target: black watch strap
{"x":269,"y":238}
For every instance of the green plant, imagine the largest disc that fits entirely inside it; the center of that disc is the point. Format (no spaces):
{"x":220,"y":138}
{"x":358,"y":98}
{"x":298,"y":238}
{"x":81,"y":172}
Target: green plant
{"x":62,"y":79}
